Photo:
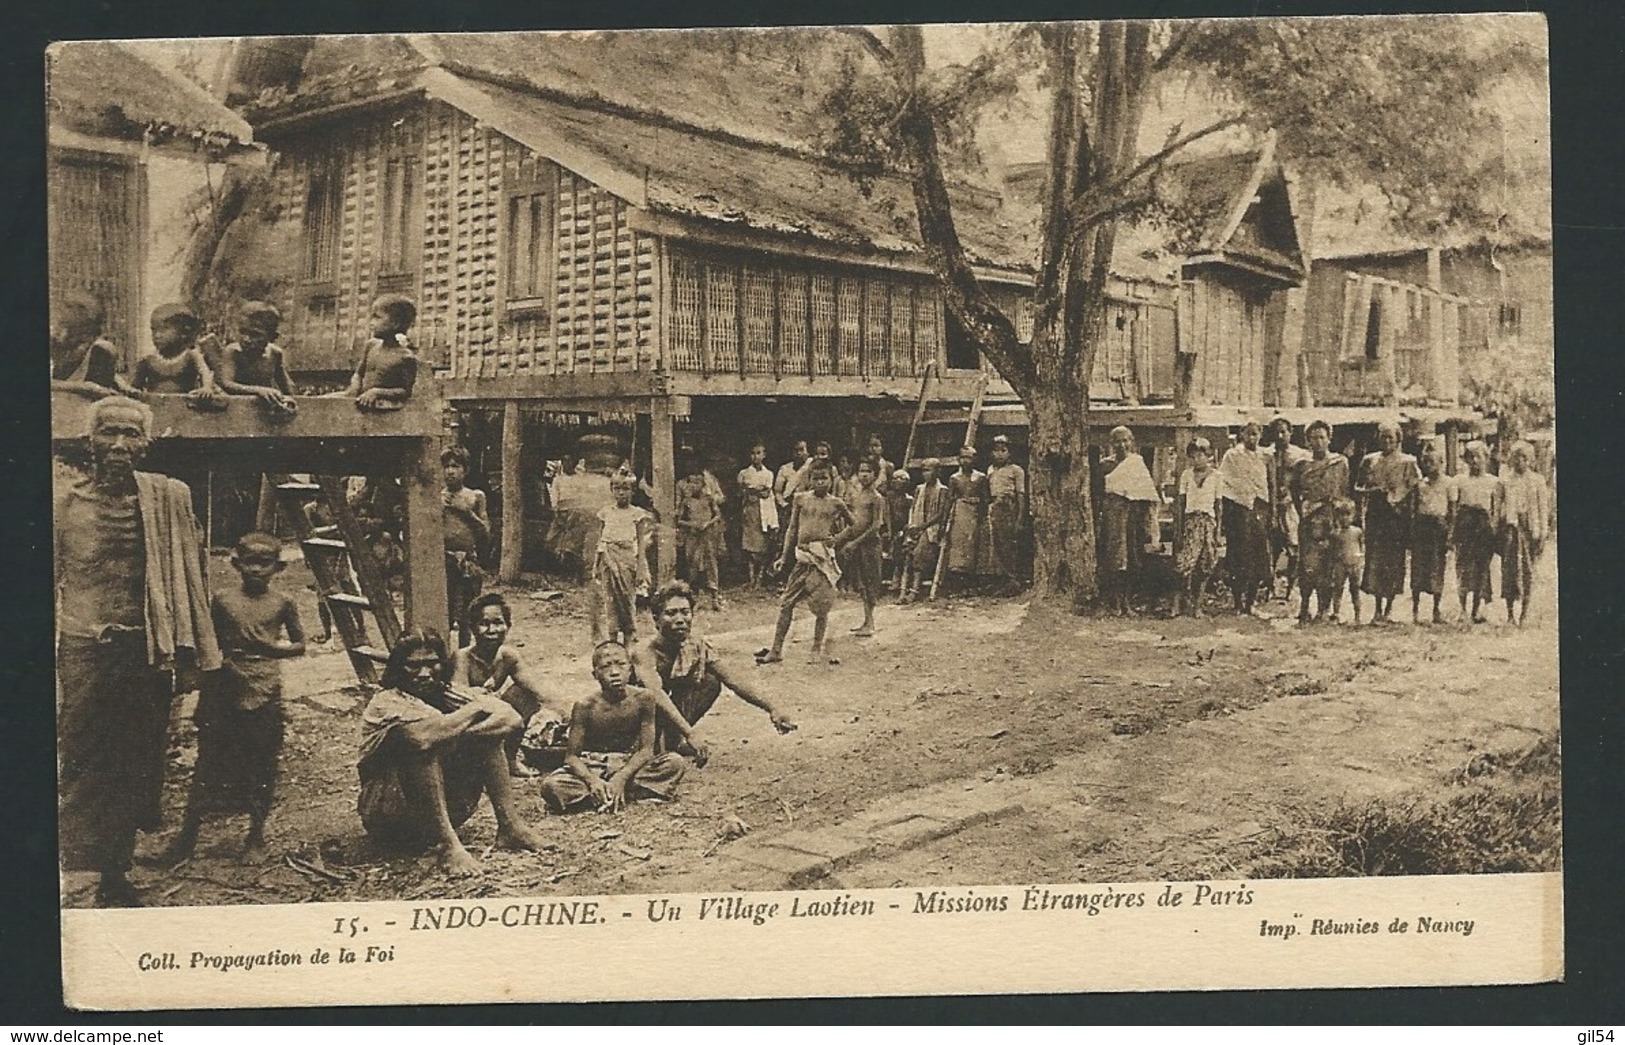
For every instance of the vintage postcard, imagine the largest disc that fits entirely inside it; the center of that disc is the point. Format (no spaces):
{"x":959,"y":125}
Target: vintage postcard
{"x":749,"y":513}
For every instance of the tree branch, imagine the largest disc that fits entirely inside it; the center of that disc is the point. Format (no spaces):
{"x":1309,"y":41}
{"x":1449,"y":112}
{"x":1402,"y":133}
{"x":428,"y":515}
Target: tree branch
{"x":871,"y":43}
{"x":1183,"y":34}
{"x":1089,"y":204}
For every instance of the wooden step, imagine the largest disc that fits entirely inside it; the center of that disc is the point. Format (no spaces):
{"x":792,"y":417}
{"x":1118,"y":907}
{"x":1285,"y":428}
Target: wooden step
{"x":325,"y":543}
{"x":377,"y":656}
{"x":300,"y":488}
{"x":324,"y":531}
{"x":359,"y":601}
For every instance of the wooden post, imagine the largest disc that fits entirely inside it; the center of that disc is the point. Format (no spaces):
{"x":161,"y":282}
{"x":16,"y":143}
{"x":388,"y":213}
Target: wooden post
{"x":424,"y":485}
{"x":513,"y":495}
{"x":265,"y":513}
{"x":663,"y":461}
{"x":1437,"y":382}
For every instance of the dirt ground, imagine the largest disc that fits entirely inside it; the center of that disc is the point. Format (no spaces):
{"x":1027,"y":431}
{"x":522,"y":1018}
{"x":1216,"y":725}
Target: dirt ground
{"x":1139,"y":749}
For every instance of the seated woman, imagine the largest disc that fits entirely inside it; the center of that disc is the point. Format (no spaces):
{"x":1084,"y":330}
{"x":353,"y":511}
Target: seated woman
{"x":428,"y":752}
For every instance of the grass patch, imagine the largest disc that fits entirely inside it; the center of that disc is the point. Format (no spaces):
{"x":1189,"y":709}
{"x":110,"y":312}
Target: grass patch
{"x":1504,"y":814}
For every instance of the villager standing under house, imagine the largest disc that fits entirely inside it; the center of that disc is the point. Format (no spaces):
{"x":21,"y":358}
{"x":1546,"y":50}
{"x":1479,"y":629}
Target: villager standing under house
{"x":1524,"y":508}
{"x":1430,"y":532}
{"x":1006,"y":514}
{"x":1244,"y":489}
{"x":928,"y":515}
{"x":1127,"y":517}
{"x":132,"y":614}
{"x":1320,"y":482}
{"x":1283,"y":459}
{"x":967,"y":517}
{"x":1387,"y":488}
{"x":758,"y":514}
{"x":1478,"y":513}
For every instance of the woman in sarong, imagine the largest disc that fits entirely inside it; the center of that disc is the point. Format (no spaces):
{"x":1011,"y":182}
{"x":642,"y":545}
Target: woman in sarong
{"x":1127,"y":514}
{"x":1523,"y":529}
{"x":1478,"y":510}
{"x":1387,"y":488}
{"x":1319,"y":482}
{"x":1430,"y":533}
{"x":1244,"y":489}
{"x":968,"y":496}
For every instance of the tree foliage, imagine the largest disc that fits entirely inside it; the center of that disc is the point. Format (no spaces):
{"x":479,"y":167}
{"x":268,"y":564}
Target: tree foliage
{"x":1397,"y":104}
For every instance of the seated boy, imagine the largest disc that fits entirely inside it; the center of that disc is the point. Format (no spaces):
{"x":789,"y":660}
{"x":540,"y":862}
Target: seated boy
{"x":253,"y":365}
{"x":178,"y":367}
{"x":388,"y":368}
{"x":428,"y":752}
{"x":610,"y":756}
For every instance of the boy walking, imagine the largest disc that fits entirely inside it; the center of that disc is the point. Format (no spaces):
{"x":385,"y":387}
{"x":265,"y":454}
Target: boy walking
{"x":815,"y":520}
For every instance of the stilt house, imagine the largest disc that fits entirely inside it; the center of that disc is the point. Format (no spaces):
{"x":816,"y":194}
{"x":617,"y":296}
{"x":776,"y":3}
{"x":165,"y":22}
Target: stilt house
{"x":575,"y":253}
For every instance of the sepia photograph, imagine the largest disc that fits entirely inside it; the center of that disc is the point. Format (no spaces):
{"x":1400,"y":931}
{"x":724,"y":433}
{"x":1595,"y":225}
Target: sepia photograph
{"x":541,"y":479}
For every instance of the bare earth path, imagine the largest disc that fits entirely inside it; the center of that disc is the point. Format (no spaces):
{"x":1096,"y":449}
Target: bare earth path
{"x":950,"y":748}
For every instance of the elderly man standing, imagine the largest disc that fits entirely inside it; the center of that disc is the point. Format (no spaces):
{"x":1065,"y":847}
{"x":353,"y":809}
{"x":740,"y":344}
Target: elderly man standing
{"x":131,"y":607}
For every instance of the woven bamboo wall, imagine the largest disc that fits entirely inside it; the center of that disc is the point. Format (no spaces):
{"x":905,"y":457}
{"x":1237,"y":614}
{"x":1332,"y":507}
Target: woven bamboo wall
{"x":755,"y":314}
{"x":598,"y":316}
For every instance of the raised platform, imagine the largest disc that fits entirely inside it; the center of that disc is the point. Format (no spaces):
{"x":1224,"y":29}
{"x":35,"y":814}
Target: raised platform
{"x":245,"y":418}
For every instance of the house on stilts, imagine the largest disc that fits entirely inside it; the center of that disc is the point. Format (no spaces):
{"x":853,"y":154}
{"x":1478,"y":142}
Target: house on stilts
{"x":583,"y":262}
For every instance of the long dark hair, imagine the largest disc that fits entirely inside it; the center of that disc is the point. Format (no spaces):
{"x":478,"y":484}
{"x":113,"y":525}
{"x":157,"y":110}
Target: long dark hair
{"x":411,"y":641}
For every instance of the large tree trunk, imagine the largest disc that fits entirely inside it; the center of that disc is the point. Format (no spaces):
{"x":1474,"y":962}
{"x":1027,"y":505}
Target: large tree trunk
{"x":1090,"y":162}
{"x":1063,"y":515}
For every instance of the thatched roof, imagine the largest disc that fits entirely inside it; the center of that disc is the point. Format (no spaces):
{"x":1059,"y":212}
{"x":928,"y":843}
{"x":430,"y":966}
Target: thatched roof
{"x":669,"y":168}
{"x":106,"y":89}
{"x":712,"y":128}
{"x":1202,"y":205}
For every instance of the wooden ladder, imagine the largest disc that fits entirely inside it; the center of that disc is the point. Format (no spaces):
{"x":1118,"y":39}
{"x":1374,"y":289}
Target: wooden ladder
{"x":350,"y":580}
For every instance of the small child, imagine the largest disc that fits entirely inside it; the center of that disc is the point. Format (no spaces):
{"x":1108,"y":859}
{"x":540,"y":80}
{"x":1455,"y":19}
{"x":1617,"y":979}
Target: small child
{"x":179,"y":366}
{"x":1348,"y":546}
{"x":698,"y":521}
{"x":620,"y":571}
{"x":240,"y":719}
{"x":610,"y":754}
{"x":491,"y":664}
{"x":254,"y":365}
{"x":816,"y":518}
{"x":1196,"y":509}
{"x":860,"y":544}
{"x":388,"y":369}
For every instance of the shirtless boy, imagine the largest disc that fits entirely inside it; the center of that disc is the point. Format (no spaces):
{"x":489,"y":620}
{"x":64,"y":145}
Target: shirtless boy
{"x":815,"y":520}
{"x":178,"y":367}
{"x":610,"y":756}
{"x":388,"y":369}
{"x":468,"y":534}
{"x":428,"y":752}
{"x":254,"y":365}
{"x":860,"y":545}
{"x":240,"y":718}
